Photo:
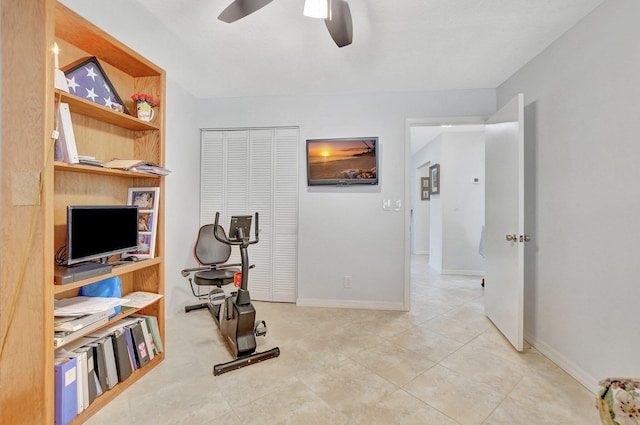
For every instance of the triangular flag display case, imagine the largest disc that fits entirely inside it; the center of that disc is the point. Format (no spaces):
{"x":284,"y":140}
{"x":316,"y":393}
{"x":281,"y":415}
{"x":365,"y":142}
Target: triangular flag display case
{"x":34,"y":223}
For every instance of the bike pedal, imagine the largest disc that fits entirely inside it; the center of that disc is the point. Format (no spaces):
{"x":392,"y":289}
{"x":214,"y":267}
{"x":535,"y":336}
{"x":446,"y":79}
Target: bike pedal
{"x":216,"y":296}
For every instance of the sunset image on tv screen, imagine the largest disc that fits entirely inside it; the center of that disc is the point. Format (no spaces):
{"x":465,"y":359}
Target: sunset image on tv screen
{"x":342,"y":159}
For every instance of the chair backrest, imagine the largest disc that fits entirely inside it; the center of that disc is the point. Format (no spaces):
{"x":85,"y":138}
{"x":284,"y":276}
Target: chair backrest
{"x":208,"y":250}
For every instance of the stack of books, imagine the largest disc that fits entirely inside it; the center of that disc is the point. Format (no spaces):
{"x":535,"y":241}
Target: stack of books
{"x":90,"y":160}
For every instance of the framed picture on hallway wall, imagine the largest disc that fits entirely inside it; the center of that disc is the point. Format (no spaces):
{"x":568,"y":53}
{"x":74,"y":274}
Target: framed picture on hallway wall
{"x":425,"y":188}
{"x":434,"y":173}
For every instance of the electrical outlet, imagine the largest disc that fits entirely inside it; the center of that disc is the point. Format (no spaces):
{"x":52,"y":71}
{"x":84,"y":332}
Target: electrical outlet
{"x":347,"y":281}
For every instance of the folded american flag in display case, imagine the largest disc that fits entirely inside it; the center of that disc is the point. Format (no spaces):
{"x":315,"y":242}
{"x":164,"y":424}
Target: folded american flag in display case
{"x":87,"y":79}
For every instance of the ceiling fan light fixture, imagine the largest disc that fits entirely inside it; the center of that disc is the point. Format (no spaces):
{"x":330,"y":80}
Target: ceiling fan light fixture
{"x":316,"y":9}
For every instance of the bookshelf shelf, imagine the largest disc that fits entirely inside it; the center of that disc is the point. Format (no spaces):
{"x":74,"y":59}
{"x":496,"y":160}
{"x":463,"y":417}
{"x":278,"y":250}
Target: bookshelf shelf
{"x":73,"y":29}
{"x":116,"y":271}
{"x":89,"y":169}
{"x":124,"y":313}
{"x":84,"y":107}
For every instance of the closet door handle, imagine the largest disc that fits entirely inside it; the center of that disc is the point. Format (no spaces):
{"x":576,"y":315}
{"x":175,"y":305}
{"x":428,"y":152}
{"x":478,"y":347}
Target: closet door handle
{"x":512,"y":238}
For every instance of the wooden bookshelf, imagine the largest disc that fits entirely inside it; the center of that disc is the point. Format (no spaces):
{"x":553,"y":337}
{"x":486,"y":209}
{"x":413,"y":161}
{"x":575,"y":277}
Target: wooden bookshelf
{"x":36,"y":191}
{"x":107,"y":134}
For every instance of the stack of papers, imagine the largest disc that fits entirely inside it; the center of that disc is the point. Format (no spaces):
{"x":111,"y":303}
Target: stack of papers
{"x":140,"y":299}
{"x":81,"y":306}
{"x":150,"y":168}
{"x":138,"y":165}
{"x":75,"y":323}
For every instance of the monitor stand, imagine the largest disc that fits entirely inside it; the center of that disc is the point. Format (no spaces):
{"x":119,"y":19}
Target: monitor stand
{"x":80,"y":271}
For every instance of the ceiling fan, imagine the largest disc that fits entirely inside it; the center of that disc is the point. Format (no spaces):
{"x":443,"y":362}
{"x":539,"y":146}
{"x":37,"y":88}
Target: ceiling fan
{"x":336,"y":14}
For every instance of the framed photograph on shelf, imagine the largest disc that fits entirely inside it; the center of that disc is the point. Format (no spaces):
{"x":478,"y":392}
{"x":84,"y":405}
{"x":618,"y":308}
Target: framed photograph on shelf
{"x":434,"y":173}
{"x":87,"y":79}
{"x":146,"y":199}
{"x":425,"y":188}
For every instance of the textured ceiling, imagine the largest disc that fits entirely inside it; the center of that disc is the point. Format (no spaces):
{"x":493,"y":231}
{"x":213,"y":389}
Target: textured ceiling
{"x":398,"y":45}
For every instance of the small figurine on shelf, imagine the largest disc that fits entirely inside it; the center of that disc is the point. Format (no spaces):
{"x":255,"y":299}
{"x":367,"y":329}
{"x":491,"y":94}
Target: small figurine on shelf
{"x":144,"y":106}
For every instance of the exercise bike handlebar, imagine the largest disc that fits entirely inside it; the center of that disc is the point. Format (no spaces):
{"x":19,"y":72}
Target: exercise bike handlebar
{"x":242,"y":240}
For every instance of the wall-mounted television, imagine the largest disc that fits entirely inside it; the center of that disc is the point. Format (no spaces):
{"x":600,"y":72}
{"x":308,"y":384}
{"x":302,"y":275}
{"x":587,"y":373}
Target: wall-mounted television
{"x":98,"y":232}
{"x":345,"y":161}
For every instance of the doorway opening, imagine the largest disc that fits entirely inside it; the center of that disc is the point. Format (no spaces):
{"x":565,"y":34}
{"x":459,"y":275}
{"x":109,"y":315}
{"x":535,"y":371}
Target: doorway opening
{"x":447,"y":226}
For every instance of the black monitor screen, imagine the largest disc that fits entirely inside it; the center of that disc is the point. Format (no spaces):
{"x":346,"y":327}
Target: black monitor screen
{"x":239,"y":222}
{"x":100,"y":231}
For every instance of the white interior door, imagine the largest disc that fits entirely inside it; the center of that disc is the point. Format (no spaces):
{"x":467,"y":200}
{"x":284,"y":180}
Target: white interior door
{"x":504,"y":220}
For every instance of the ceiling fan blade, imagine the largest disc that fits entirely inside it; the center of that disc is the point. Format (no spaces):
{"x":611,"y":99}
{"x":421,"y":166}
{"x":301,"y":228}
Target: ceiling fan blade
{"x":241,"y":8}
{"x":340,"y":25}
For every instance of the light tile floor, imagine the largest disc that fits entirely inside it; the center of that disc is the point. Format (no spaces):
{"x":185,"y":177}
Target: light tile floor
{"x":442,"y":363}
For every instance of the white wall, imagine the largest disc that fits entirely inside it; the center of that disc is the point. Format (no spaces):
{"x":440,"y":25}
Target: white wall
{"x":182,"y":204}
{"x":582,"y":130}
{"x":345,"y":231}
{"x":462,"y":202}
{"x":457,"y":213}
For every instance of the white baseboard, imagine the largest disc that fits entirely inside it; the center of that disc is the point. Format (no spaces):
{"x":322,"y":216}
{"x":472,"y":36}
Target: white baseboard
{"x":588,"y":381}
{"x":365,"y":305}
{"x":463,"y":272}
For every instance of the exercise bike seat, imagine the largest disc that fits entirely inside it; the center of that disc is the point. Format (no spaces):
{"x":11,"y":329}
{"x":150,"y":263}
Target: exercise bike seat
{"x":211,"y":252}
{"x":214,"y":277}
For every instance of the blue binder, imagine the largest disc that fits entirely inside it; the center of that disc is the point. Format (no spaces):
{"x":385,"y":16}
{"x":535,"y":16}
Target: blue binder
{"x":66,"y":391}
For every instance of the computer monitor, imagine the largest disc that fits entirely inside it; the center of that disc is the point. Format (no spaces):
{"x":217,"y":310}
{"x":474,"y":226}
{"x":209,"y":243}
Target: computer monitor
{"x":97,"y":232}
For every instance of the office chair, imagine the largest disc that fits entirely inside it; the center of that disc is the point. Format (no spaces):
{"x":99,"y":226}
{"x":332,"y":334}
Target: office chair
{"x":212,"y":255}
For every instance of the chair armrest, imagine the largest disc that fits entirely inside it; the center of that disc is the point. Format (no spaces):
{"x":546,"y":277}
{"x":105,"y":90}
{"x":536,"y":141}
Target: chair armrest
{"x":227,"y":266}
{"x":187,"y":272}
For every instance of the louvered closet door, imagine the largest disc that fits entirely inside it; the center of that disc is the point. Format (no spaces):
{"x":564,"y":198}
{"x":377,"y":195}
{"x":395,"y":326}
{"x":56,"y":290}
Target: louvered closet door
{"x":261,"y":189}
{"x":244,"y":171}
{"x":285,"y":215}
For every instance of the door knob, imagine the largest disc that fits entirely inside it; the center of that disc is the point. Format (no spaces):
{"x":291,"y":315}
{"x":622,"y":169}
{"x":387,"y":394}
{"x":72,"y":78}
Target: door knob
{"x":525,"y":238}
{"x":512,"y":238}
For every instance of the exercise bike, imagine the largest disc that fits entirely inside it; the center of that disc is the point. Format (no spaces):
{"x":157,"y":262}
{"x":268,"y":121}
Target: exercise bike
{"x":231,"y":306}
